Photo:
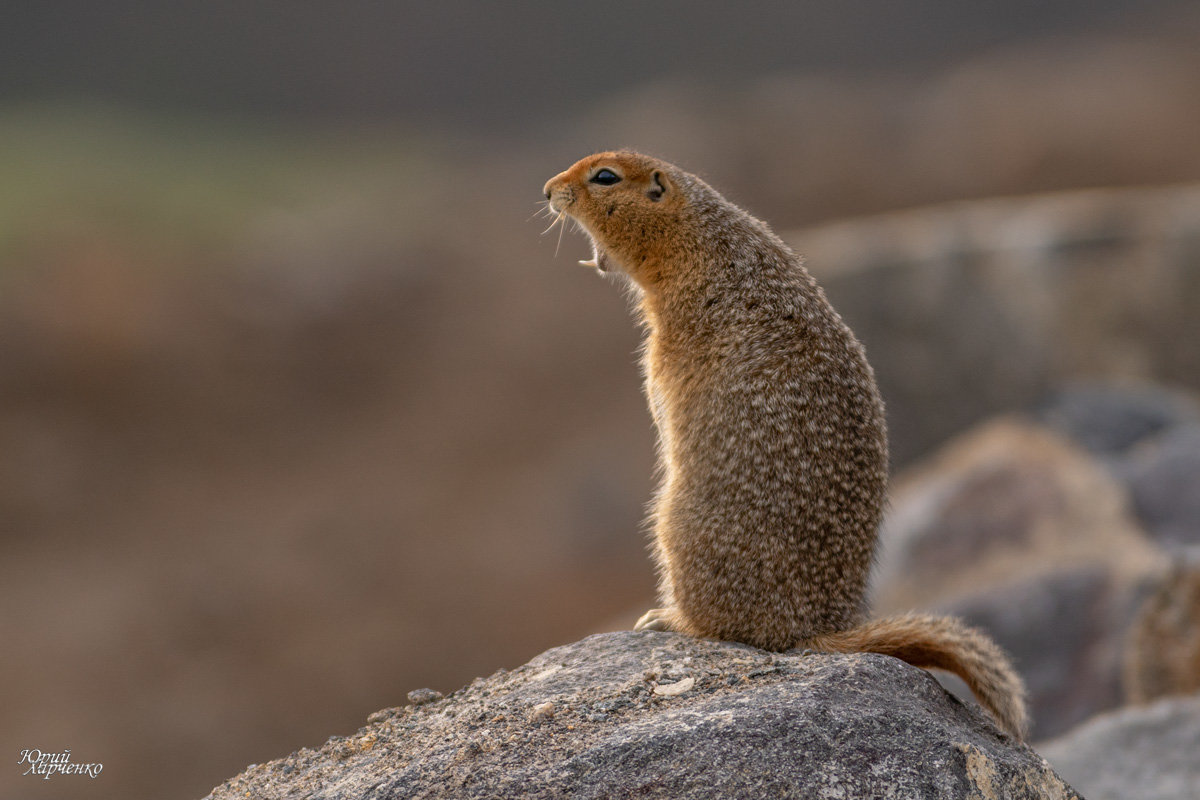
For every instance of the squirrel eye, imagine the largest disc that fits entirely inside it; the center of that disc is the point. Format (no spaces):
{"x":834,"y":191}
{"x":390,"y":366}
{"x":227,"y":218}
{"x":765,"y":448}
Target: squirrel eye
{"x":606,"y":177}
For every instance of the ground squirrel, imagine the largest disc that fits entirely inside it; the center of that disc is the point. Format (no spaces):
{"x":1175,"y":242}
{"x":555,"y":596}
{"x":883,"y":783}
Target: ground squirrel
{"x":771,"y":431}
{"x":1162,"y":657}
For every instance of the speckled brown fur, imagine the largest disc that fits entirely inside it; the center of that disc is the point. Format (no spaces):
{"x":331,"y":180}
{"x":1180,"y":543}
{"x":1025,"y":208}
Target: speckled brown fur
{"x":1162,"y":657}
{"x":771,"y":430}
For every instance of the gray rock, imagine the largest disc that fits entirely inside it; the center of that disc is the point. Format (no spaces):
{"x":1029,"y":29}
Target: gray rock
{"x":1148,"y":753}
{"x":1149,"y":438}
{"x":1000,"y":504}
{"x":1107,"y":419}
{"x":1164,"y":482}
{"x":664,"y":715}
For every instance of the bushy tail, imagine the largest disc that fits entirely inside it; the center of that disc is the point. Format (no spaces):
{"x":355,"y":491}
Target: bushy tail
{"x":942,"y":643}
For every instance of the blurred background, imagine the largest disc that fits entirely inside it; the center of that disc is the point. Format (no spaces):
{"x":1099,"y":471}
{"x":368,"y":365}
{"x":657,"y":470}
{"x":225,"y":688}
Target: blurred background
{"x":299,"y":411}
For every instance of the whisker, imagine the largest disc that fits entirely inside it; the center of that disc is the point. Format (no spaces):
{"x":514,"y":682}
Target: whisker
{"x":562,"y":217}
{"x":557,"y":219}
{"x":543,"y":209}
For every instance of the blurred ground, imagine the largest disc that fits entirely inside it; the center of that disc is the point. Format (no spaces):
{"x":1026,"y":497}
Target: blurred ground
{"x":297,"y":420}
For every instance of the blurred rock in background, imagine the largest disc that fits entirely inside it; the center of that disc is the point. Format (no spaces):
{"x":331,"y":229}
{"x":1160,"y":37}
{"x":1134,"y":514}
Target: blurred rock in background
{"x":299,"y":412}
{"x":1144,"y":752}
{"x":972,"y":309}
{"x":1023,"y":533}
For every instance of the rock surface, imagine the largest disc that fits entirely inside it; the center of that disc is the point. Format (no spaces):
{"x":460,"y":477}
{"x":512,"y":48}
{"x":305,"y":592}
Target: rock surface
{"x":664,"y":715}
{"x":1148,"y":753}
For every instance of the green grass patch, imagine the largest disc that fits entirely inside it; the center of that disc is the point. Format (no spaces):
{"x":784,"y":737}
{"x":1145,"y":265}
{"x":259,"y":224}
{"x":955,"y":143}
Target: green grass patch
{"x":179,"y":183}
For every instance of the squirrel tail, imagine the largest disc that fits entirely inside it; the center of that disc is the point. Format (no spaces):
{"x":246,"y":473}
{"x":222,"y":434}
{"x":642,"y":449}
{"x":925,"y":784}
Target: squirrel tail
{"x":942,"y":643}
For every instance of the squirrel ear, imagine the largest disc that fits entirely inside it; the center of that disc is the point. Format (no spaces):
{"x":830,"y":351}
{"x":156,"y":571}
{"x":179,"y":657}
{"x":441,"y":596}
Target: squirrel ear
{"x":658,"y":186}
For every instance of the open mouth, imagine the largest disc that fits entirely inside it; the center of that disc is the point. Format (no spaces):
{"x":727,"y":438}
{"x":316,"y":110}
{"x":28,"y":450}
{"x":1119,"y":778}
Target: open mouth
{"x":599,"y":258}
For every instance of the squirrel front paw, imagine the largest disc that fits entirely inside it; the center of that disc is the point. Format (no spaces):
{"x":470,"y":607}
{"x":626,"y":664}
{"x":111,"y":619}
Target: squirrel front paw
{"x":658,"y":619}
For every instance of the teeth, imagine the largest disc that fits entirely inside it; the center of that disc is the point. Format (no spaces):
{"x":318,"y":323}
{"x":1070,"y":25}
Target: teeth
{"x":590,"y":263}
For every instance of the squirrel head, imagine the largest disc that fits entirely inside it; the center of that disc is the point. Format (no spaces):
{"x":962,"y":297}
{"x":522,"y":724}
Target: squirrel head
{"x":630,"y":205}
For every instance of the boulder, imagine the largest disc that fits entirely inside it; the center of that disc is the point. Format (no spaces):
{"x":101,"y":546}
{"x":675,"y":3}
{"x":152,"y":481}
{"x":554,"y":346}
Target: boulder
{"x":1000,"y":504}
{"x":1149,"y":438}
{"x":1108,"y":419}
{"x":1148,"y":753}
{"x":1164,"y":481}
{"x":665,"y":715}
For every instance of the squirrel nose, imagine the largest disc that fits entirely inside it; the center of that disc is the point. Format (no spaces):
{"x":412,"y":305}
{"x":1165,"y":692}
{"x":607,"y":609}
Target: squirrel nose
{"x":548,"y":189}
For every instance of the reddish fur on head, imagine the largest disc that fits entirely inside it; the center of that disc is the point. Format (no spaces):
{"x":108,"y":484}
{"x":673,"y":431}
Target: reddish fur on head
{"x":645,"y":198}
